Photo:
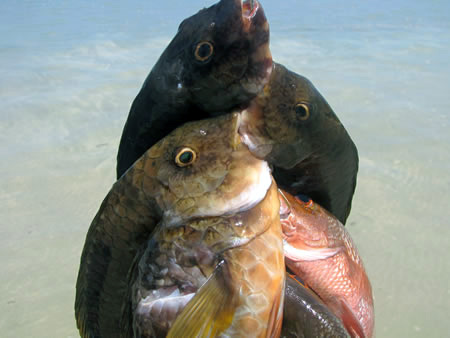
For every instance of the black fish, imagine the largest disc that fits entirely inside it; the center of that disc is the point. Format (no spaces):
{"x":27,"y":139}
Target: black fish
{"x":305,"y":315}
{"x":292,"y":126}
{"x":219,"y":59}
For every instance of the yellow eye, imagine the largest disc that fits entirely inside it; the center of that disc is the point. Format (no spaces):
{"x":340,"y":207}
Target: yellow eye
{"x":204,"y":51}
{"x":302,"y":111}
{"x":185,"y":157}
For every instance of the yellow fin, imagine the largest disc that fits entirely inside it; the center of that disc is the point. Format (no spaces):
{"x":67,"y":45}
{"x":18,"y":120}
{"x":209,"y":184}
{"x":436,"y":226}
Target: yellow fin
{"x":210,"y":311}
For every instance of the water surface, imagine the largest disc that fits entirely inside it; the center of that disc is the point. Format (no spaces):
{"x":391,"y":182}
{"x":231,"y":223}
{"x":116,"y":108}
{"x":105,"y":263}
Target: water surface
{"x":69,"y":71}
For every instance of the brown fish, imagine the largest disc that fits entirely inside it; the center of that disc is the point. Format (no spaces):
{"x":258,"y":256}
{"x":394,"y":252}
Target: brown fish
{"x":214,"y":276}
{"x":218,"y":60}
{"x":199,"y":170}
{"x":291,"y":125}
{"x":321,"y":252}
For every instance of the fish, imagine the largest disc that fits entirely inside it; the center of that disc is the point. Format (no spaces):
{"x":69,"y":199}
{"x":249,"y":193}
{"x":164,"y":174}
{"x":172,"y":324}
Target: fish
{"x":305,"y":315}
{"x":201,"y":169}
{"x":291,"y":126}
{"x":319,"y":250}
{"x":218,"y":59}
{"x":214,"y":276}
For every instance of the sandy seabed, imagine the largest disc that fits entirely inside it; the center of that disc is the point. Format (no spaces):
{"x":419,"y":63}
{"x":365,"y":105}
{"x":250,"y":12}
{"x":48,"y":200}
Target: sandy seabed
{"x":66,"y":87}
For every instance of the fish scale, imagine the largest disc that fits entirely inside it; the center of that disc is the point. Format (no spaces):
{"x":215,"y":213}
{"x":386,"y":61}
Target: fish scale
{"x":171,"y":96}
{"x":321,"y":252}
{"x":247,"y":246}
{"x":118,"y":234}
{"x":141,"y":199}
{"x":263,"y":283}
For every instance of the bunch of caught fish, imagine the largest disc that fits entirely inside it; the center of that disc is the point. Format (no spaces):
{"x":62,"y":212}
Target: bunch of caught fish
{"x":222,"y":155}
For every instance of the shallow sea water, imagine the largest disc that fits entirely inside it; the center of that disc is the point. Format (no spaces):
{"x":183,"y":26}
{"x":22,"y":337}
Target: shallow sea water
{"x":70,"y":70}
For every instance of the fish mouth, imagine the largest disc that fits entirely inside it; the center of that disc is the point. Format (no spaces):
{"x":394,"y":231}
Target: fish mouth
{"x":251,"y":135}
{"x":249,"y":8}
{"x":285,"y":205}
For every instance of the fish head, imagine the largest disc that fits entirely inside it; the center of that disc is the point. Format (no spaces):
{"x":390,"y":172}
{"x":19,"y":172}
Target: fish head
{"x":219,"y":58}
{"x":289,"y":121}
{"x":203,"y":169}
{"x":303,"y":219}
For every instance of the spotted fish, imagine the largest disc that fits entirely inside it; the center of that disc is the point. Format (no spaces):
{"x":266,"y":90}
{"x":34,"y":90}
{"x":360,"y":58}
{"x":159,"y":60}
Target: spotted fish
{"x":199,"y":170}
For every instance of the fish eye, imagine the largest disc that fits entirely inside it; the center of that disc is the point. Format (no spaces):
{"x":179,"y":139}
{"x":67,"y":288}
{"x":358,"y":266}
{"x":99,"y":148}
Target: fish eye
{"x":204,"y":51}
{"x":302,"y":111}
{"x":185,"y":157}
{"x":305,"y":200}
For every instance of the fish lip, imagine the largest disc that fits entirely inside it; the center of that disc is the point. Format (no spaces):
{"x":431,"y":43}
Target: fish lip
{"x":251,"y":136}
{"x":237,"y":137}
{"x":286,"y":207}
{"x":255,"y":24}
{"x":249,"y":8}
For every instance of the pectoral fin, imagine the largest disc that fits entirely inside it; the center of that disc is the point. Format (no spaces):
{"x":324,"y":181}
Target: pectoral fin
{"x":210,"y":311}
{"x":301,"y":252}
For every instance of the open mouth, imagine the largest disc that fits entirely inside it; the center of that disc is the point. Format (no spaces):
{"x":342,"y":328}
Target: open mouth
{"x":251,"y":131}
{"x":249,"y":8}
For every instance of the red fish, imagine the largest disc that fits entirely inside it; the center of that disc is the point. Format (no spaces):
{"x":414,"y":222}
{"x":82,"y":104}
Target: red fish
{"x":320,"y":251}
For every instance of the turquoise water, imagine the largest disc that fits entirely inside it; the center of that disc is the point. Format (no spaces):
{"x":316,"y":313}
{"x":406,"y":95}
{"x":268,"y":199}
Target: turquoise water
{"x":69,"y":71}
